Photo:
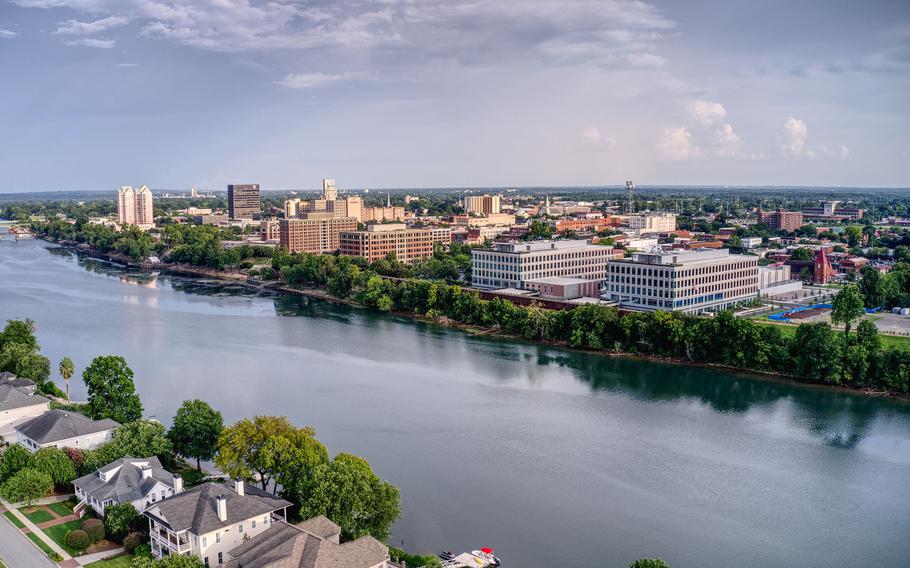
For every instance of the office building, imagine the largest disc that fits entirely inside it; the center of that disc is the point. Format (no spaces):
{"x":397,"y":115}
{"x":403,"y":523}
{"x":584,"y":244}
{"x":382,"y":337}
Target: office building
{"x":379,"y":214}
{"x":829,"y":211}
{"x":315,"y":233}
{"x":512,"y":264}
{"x":482,"y":204}
{"x":329,"y":192}
{"x":377,"y":241}
{"x":646,"y":223}
{"x":782,"y":220}
{"x":685,"y":281}
{"x":243,"y":200}
{"x":134,"y":206}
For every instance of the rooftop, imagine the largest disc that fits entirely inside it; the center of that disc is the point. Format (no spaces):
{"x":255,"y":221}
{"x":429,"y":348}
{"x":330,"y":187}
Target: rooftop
{"x":535,"y":246}
{"x":57,"y":425}
{"x":124,"y":479}
{"x":12,"y":397}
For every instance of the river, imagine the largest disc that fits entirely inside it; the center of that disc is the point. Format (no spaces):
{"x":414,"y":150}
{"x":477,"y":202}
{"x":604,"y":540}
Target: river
{"x":554,"y":457}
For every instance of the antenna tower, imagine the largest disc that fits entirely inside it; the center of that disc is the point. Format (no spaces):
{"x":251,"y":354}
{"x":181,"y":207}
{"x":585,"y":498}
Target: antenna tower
{"x":630,"y":201}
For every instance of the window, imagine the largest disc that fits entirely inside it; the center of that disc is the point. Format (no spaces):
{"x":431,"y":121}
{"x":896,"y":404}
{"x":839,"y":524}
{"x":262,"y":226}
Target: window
{"x":254,"y":523}
{"x":240,"y":528}
{"x":218,"y":539}
{"x":206,"y":560}
{"x":220,"y":559}
{"x":205,"y":541}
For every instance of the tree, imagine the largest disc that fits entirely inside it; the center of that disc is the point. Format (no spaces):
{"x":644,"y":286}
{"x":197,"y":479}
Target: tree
{"x":19,"y":351}
{"x":348,"y":492}
{"x":27,"y":486}
{"x":294,"y":459}
{"x":872,"y":287}
{"x":848,"y":306}
{"x":140,"y":438}
{"x":169,"y":561}
{"x":13,"y":459}
{"x":66,"y":371}
{"x":55,"y":463}
{"x":111,"y":391}
{"x":119,"y":518}
{"x":78,"y":539}
{"x":195,"y":431}
{"x":649,"y":563}
{"x":21,"y":332}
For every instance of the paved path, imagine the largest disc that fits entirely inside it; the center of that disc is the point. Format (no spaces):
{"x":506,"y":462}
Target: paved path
{"x":38,"y":532}
{"x":17,"y":551}
{"x":87,"y":559}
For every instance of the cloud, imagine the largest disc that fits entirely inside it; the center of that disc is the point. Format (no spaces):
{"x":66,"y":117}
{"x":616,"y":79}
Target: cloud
{"x":728,"y":141}
{"x":707,"y":113}
{"x":97,"y":43}
{"x":75,"y":27}
{"x":594,"y":139}
{"x":843,"y":152}
{"x":794,"y":138}
{"x":315,"y":80}
{"x":8,"y":34}
{"x":677,"y":144}
{"x":126,"y":65}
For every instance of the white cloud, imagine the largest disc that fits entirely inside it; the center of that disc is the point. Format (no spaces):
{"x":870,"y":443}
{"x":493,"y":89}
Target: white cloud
{"x":677,"y":144}
{"x":707,"y":113}
{"x":75,"y":27}
{"x":97,"y":43}
{"x":8,"y":34}
{"x":316,"y":80}
{"x":843,"y":152}
{"x":794,"y":138}
{"x":594,"y":139}
{"x":728,"y":141}
{"x":126,"y":65}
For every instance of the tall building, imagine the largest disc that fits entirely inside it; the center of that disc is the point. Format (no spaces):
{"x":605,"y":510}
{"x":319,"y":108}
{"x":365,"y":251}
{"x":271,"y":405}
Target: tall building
{"x":646,"y":223}
{"x":685,"y":281}
{"x":382,"y":214}
{"x":482,"y":204}
{"x":329,"y":192}
{"x":316,"y":233}
{"x":829,"y":211}
{"x":134,"y":206}
{"x":512,"y":264}
{"x":243,"y":200}
{"x":378,"y":240}
{"x":782,"y":220}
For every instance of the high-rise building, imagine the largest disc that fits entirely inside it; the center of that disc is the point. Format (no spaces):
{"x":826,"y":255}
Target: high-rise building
{"x":381,"y":239}
{"x":243,"y":200}
{"x":329,"y":192}
{"x":685,"y":281}
{"x":511,"y":264}
{"x":135,"y":207}
{"x":830,"y":211}
{"x":482,"y":204}
{"x":646,"y":223}
{"x":782,"y":220}
{"x":316,"y":233}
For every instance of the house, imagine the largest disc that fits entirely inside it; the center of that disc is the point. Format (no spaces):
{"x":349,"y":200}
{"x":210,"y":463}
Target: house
{"x":211,"y":519}
{"x":28,"y":385}
{"x":139,"y":481}
{"x":311,"y":544}
{"x":64,"y":429}
{"x":18,"y":404}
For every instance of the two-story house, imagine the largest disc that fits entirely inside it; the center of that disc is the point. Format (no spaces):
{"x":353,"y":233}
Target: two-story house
{"x":64,"y":429}
{"x":17,"y":405}
{"x":211,"y":519}
{"x":139,"y":481}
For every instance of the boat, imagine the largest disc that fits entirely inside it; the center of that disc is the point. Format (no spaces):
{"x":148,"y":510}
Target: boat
{"x":482,"y":558}
{"x":487,"y":554}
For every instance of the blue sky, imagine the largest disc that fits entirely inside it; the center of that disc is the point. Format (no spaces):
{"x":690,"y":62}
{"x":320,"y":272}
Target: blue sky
{"x":428,"y":93}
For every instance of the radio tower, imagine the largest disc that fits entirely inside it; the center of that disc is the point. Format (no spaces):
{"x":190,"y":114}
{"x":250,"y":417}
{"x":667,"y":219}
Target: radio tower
{"x":630,"y":202}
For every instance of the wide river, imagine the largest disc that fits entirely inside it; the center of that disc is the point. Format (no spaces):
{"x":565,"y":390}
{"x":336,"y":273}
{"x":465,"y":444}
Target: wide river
{"x":556,"y":458}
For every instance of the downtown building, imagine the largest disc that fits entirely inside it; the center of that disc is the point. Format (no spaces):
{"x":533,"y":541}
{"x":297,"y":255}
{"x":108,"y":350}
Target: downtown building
{"x":315,"y":233}
{"x":243,"y":200}
{"x":646,"y":223}
{"x":134,"y":206}
{"x":379,"y":240}
{"x":684,"y":281}
{"x":485,"y":204}
{"x":782,"y":220}
{"x":513,"y":264}
{"x":830,"y":211}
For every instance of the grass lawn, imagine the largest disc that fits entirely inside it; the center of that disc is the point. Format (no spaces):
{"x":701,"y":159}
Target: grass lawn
{"x":62,"y":508}
{"x":122,"y":561}
{"x":899,"y":341}
{"x":58,"y":535}
{"x":13,"y":519}
{"x":47,"y":550}
{"x":39,"y":515}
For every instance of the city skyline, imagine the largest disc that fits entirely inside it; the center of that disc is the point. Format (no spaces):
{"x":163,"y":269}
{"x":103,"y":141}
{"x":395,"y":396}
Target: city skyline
{"x":389,"y":94}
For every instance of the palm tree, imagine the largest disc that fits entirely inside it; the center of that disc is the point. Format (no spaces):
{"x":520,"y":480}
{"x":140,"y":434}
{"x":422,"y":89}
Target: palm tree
{"x":66,"y":371}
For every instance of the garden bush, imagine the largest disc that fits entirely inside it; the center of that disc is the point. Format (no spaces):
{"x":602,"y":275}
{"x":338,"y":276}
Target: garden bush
{"x":78,"y":539}
{"x":94,"y":528}
{"x":132,"y":541}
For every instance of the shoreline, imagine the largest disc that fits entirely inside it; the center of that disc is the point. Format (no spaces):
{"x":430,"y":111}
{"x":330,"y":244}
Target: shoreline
{"x":473,"y":330}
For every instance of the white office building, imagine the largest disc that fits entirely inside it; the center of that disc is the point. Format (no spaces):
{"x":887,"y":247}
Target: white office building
{"x":647,"y":223}
{"x":511,"y":265}
{"x":686,"y":281}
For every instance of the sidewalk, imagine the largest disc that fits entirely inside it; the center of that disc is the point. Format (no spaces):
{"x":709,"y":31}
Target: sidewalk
{"x":87,"y":559}
{"x":34,"y":529}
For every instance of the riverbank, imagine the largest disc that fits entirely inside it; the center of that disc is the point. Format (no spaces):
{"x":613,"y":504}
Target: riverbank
{"x":322,"y":294}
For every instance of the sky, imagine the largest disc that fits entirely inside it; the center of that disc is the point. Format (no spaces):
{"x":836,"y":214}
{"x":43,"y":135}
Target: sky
{"x":95,"y":94}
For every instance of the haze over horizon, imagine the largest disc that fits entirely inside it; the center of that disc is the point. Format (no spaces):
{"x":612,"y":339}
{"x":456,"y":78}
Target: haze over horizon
{"x":399,"y":94}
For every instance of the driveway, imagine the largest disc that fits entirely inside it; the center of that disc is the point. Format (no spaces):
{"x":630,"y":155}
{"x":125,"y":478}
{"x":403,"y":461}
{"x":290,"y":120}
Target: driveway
{"x":17,"y":551}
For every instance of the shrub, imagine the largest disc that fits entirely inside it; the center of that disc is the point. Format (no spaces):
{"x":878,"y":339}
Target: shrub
{"x":132,"y":541}
{"x":119,"y":518}
{"x":94,"y":528}
{"x":143,"y":551}
{"x":27,"y":486}
{"x":55,"y":557}
{"x":13,"y":459}
{"x":78,"y":539}
{"x":56,"y":463}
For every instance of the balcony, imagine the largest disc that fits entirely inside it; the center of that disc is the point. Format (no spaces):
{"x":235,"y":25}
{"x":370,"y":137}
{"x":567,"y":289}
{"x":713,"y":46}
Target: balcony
{"x":166,"y":542}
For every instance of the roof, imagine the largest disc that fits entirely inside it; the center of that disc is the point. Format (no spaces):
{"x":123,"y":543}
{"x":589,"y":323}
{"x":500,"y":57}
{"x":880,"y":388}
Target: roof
{"x":59,"y":425}
{"x":196,"y":509}
{"x":12,"y":397}
{"x":289,"y":546}
{"x":126,"y":483}
{"x":562,"y":280}
{"x":7,"y":378}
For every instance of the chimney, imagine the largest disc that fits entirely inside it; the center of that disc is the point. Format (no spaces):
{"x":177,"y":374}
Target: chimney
{"x":146,"y":471}
{"x":221,"y":502}
{"x":178,"y":483}
{"x":238,"y":486}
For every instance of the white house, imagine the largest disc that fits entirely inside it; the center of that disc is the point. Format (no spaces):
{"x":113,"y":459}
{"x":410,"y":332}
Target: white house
{"x":17,"y":405}
{"x":64,"y":429}
{"x":211,"y":519}
{"x":139,"y":481}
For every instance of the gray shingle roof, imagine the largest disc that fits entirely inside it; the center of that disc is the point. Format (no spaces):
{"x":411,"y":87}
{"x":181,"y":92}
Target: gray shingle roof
{"x":196,"y":509}
{"x":59,"y":425}
{"x":7,"y":378}
{"x":12,"y":397}
{"x":126,"y":484}
{"x":287,"y":546}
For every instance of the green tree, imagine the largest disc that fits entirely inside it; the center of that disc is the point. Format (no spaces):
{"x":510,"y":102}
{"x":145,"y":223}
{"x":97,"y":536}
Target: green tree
{"x":21,"y":332}
{"x":140,"y":438}
{"x":247,"y":447}
{"x":119,"y":518}
{"x":169,"y":561}
{"x":195,"y":431}
{"x":66,"y":371}
{"x":847,"y":307}
{"x":649,"y":563}
{"x":26,"y":486}
{"x":871,"y":286}
{"x":55,"y":463}
{"x":294,"y":459}
{"x":13,"y":459}
{"x":348,"y":492}
{"x":111,"y":391}
{"x":23,"y":361}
